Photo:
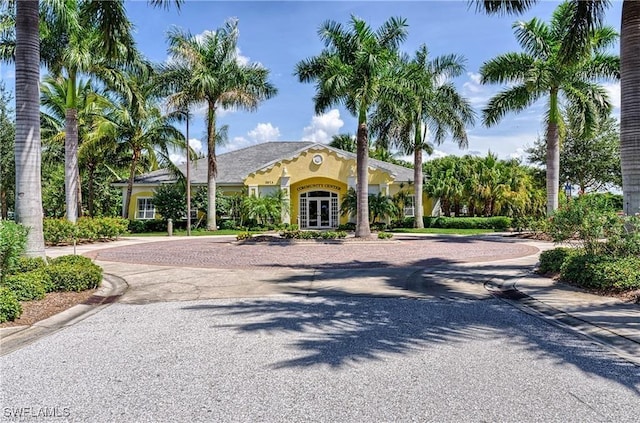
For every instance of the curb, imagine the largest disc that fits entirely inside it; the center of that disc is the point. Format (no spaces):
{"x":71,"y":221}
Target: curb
{"x":507,"y":291}
{"x":110,"y":291}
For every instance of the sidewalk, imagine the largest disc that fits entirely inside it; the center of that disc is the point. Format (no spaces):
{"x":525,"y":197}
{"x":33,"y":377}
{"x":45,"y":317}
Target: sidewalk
{"x":603,"y":319}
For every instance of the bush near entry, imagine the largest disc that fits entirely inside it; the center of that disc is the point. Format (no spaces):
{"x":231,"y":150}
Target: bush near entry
{"x":10,"y":307}
{"x":599,"y":272}
{"x":496,"y":222}
{"x":551,"y":260}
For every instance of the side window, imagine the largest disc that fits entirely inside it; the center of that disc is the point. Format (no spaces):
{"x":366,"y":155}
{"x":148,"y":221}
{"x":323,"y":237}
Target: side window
{"x":409,"y":206}
{"x":146,"y":209}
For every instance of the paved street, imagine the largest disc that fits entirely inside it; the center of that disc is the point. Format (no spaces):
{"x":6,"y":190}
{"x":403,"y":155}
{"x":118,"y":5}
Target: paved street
{"x":417,"y":338}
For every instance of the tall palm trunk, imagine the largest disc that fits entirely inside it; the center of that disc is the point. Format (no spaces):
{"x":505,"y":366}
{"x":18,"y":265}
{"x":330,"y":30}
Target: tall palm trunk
{"x":362,"y":163}
{"x":28,"y":148}
{"x":91,"y":192}
{"x":132,"y":174}
{"x":630,"y":107}
{"x":553,"y":154}
{"x":417,"y":177}
{"x":71,"y":176}
{"x":212,"y":169}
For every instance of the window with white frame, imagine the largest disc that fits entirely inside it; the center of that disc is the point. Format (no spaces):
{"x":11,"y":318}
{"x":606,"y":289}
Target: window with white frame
{"x":146,"y":209}
{"x":409,"y":206}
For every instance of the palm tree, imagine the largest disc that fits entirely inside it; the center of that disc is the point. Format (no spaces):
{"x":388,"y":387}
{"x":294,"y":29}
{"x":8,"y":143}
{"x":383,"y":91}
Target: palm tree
{"x":138,"y":125}
{"x":26,"y":51}
{"x":206,"y":70}
{"x":354,"y":70}
{"x":27,"y":148}
{"x":588,"y":14}
{"x":344,"y":142}
{"x":90,"y":103}
{"x":429,"y":102}
{"x":81,"y":37}
{"x":542,"y":70}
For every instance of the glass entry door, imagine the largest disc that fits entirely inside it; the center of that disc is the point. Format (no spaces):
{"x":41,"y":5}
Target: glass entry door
{"x":318,"y":209}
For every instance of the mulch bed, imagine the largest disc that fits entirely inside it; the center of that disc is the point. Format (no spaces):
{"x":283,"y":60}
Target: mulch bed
{"x":53,"y":303}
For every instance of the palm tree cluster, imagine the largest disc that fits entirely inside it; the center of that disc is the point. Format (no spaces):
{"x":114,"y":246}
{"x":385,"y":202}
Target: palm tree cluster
{"x":406,"y":101}
{"x":397,"y":98}
{"x":484,"y":186}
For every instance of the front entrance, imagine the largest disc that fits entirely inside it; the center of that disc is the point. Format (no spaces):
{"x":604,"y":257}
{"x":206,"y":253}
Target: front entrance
{"x":318,"y":210}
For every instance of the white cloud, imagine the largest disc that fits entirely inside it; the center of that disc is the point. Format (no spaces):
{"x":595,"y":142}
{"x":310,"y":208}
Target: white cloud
{"x":518,"y":154}
{"x":613,"y":89}
{"x":264,"y":132}
{"x":196,"y":144}
{"x":242,"y":60}
{"x":323,"y":127}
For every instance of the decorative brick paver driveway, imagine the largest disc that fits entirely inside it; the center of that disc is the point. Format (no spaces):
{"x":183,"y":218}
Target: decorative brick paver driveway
{"x":405,"y":252}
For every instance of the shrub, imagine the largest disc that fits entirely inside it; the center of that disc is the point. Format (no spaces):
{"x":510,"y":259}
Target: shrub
{"x":290,"y":234}
{"x":58,"y":231}
{"x":310,"y":234}
{"x":73,"y":260}
{"x":136,"y":226}
{"x":27,"y":264}
{"x":67,"y":275}
{"x":13,"y":240}
{"x":587,"y":218}
{"x":592,"y":271}
{"x":551,"y":260}
{"x":111,"y":227}
{"x":228,"y":224}
{"x":378,"y":226}
{"x":87,"y":229}
{"x":496,"y":222}
{"x":385,"y":235}
{"x":243,"y":236}
{"x":341,"y":234}
{"x":26,"y":286}
{"x":349,"y":226}
{"x":10,"y":308}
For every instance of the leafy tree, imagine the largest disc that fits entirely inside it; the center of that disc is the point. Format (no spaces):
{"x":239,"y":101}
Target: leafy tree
{"x":206,"y":70}
{"x":344,"y":142}
{"x":589,"y":14}
{"x":548,"y":68}
{"x":7,"y":164}
{"x":354,"y":69}
{"x":590,"y":161}
{"x":428,"y":101}
{"x":169,"y":201}
{"x":380,"y":206}
{"x":137,"y":125}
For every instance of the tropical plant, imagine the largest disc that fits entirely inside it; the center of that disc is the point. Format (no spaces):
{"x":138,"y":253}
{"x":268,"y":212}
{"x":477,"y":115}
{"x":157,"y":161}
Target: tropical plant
{"x":24,"y":48}
{"x":346,"y":142}
{"x":590,"y":13}
{"x":27,"y":146}
{"x":548,"y":68}
{"x":427,"y":103}
{"x":137,"y":125}
{"x":381,"y":206}
{"x":354,"y":69}
{"x":266,"y":209}
{"x":590,"y":161}
{"x":206,"y":69}
{"x":7,"y":164}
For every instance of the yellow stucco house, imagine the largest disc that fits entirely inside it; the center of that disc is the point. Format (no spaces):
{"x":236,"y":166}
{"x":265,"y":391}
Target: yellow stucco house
{"x":314,"y":176}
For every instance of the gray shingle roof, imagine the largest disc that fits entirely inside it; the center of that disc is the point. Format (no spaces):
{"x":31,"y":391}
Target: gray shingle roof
{"x":235,"y":166}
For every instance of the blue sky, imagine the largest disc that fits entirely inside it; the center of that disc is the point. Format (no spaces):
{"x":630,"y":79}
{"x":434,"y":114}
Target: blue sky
{"x":279,"y":34}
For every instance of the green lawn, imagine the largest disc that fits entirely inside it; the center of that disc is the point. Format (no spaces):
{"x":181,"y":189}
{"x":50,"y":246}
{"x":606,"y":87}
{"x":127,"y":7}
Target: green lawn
{"x":194,"y":233}
{"x":452,"y":231}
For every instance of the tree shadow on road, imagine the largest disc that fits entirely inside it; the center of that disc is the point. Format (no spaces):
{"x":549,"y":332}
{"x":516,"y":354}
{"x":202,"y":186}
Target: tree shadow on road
{"x":338,"y":327}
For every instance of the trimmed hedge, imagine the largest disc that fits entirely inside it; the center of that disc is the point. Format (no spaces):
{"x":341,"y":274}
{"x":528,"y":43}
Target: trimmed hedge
{"x":385,"y":235}
{"x":28,"y":264}
{"x":598,"y":272}
{"x":501,"y":223}
{"x":74,"y":273}
{"x":297,"y":234}
{"x":27,"y":286}
{"x":551,"y":260}
{"x":61,"y":231}
{"x":13,"y":240}
{"x":10,"y":308}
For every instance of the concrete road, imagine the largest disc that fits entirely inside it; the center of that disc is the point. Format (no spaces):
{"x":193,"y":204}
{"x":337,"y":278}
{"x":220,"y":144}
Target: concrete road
{"x":320,"y":358}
